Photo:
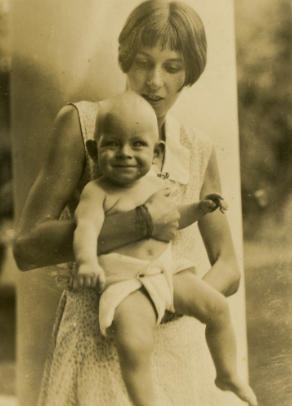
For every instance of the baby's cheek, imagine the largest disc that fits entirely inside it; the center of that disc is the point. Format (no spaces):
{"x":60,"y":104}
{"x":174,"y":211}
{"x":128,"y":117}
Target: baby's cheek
{"x":144,"y":170}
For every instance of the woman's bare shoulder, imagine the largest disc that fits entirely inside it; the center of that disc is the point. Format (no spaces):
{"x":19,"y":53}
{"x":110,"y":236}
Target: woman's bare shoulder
{"x":62,"y":167}
{"x":66,"y":144}
{"x":67,"y":124}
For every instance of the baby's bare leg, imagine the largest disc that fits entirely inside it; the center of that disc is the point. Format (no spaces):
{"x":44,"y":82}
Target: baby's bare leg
{"x":194,"y":297}
{"x":134,"y":323}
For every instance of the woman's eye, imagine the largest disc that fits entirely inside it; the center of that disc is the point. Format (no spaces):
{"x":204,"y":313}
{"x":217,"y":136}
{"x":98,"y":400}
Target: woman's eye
{"x":142,"y":63}
{"x":173,"y":68}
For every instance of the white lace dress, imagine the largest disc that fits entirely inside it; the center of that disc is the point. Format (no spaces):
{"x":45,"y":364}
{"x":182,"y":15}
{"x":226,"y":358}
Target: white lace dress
{"x":82,"y":367}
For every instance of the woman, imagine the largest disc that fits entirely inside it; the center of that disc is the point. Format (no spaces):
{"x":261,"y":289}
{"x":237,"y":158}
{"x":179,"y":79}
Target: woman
{"x":162,"y":49}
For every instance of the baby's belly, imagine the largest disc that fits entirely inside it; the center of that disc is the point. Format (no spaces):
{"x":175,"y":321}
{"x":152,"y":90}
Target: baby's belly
{"x":149,"y":249}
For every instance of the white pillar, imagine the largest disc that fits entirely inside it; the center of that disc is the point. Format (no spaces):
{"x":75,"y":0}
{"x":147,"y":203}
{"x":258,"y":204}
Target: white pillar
{"x":67,"y":50}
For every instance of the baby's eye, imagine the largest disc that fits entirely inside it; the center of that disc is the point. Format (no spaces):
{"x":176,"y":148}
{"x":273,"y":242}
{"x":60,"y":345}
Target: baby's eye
{"x":109,"y":143}
{"x":139,"y":143}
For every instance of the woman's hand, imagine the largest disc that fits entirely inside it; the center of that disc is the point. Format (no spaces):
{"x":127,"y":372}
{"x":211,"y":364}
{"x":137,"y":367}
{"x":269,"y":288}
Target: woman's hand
{"x":164,"y":214}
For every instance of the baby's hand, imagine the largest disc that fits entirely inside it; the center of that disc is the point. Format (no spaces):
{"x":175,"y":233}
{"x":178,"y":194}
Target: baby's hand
{"x":212,"y":202}
{"x":89,"y":276}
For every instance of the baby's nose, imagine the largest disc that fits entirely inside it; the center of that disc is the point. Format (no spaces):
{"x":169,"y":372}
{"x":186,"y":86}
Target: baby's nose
{"x":125,"y":151}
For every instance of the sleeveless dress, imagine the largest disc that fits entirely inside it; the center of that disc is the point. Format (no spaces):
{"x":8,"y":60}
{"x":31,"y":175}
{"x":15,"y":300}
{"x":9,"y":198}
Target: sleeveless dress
{"x":82,"y":367}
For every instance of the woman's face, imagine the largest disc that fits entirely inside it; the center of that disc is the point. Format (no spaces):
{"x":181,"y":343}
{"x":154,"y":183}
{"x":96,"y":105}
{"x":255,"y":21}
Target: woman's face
{"x":158,"y":75}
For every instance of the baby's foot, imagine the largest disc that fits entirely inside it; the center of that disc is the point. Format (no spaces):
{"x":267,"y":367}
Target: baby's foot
{"x":239,"y":388}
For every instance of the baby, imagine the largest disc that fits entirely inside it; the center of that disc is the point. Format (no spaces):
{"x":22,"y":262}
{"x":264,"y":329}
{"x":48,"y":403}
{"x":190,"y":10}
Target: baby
{"x":136,"y":281}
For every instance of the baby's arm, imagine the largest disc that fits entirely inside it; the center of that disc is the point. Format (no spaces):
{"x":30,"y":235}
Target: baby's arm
{"x":89,"y":217}
{"x":190,"y":213}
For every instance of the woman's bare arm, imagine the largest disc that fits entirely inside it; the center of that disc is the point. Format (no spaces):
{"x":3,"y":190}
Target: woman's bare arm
{"x":41,"y":238}
{"x":224,"y":274}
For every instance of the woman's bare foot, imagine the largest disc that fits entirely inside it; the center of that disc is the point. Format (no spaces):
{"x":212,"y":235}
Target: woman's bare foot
{"x":239,"y":388}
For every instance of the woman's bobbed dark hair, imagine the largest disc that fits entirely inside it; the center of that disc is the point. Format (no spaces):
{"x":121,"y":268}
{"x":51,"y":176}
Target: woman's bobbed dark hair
{"x":171,"y":24}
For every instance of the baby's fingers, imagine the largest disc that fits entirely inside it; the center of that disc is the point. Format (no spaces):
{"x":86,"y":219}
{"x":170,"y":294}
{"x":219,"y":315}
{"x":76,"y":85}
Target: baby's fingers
{"x":90,"y":281}
{"x":218,"y":200}
{"x":223,"y":206}
{"x":81,"y":281}
{"x":215,"y":197}
{"x":101,"y":282}
{"x":74,"y":282}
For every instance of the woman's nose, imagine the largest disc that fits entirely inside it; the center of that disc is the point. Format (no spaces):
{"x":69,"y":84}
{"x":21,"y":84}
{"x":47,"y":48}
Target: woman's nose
{"x":155,"y":79}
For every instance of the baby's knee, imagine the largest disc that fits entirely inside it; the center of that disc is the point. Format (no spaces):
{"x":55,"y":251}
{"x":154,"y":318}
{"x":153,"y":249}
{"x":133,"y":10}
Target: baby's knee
{"x":135,"y":344}
{"x":217,"y":310}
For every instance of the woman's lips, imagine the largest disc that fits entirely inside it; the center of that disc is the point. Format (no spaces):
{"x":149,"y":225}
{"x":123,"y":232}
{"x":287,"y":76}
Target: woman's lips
{"x":152,"y":98}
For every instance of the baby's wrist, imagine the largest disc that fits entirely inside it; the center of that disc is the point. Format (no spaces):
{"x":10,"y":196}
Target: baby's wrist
{"x":201,"y":208}
{"x":86,"y":263}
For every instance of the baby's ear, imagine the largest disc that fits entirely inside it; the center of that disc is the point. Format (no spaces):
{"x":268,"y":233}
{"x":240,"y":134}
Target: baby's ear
{"x":92,"y":149}
{"x":159,"y":149}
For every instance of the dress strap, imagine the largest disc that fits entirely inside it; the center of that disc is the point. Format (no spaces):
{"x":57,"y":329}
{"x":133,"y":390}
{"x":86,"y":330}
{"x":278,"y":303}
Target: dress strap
{"x":87,"y":112}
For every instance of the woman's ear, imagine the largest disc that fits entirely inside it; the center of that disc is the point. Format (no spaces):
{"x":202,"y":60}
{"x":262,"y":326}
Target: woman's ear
{"x":158,"y":150}
{"x":91,"y":146}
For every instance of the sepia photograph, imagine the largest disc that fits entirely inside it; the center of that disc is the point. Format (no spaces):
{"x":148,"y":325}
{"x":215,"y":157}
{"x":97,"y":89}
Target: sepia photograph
{"x":145,"y":203}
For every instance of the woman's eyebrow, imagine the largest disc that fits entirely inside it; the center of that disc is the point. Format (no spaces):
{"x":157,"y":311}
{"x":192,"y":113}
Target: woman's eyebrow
{"x":174,"y":59}
{"x":143,"y":54}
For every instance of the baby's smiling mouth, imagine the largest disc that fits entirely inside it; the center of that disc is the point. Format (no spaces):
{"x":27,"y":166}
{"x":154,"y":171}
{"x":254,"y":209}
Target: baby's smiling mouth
{"x":124,"y":166}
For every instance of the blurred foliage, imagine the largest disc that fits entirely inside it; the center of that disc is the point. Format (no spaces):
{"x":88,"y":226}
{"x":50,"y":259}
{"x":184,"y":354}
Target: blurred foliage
{"x":5,"y":67}
{"x":6,"y":204}
{"x":264,"y":47}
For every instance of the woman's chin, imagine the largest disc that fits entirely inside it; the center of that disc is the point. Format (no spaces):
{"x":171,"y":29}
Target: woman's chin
{"x":158,"y":108}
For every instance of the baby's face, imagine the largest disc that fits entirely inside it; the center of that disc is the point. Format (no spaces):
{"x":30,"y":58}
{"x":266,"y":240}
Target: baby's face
{"x":126,"y":147}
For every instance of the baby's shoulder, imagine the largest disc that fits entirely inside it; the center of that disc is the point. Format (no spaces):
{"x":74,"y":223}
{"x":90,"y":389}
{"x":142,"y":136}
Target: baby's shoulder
{"x":94,"y":187}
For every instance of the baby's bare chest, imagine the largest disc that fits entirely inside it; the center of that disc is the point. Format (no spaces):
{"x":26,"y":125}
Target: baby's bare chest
{"x":127,"y":198}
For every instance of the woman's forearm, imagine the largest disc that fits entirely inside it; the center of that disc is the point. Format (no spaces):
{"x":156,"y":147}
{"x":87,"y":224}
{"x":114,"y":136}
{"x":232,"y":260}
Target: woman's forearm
{"x":51,"y":242}
{"x":224,"y":275}
{"x":120,"y":229}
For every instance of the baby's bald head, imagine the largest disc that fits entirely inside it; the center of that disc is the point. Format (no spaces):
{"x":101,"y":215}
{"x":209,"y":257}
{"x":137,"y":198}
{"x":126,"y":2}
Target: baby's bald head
{"x":127,"y":112}
{"x":126,"y":138}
